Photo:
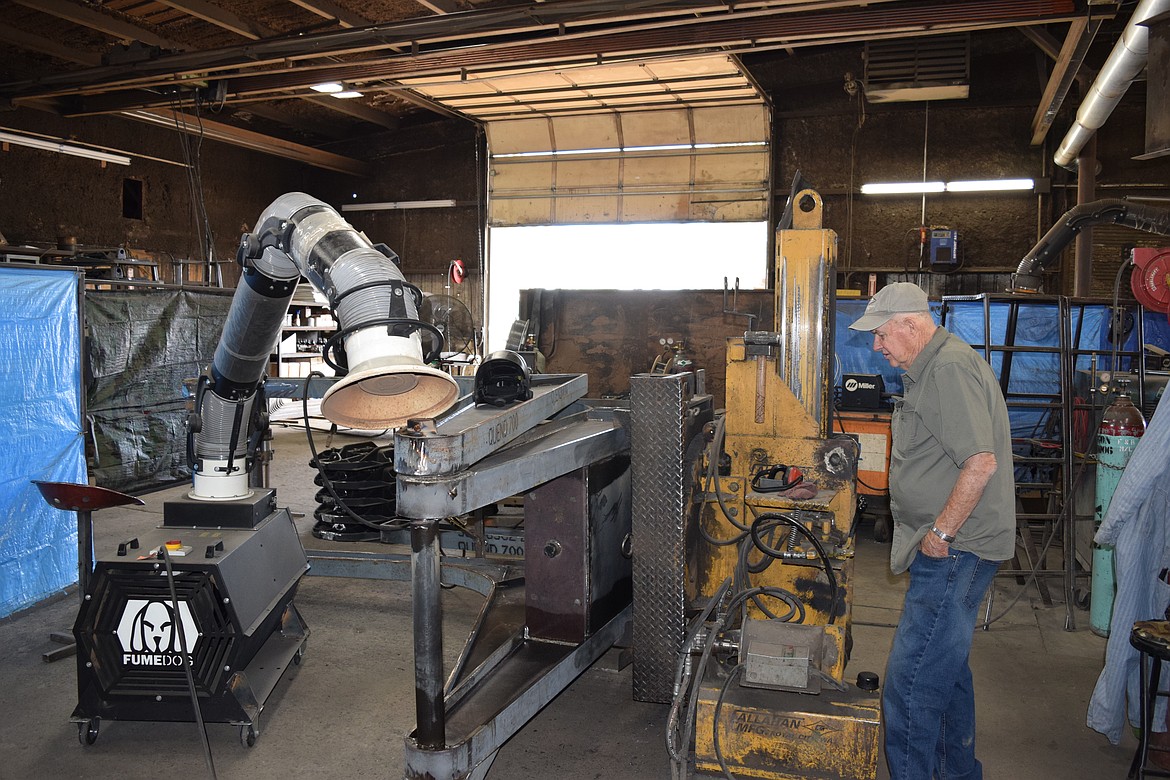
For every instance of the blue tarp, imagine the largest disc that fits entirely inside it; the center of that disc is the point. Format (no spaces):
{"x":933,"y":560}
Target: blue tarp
{"x":1033,"y":374}
{"x":41,"y":427}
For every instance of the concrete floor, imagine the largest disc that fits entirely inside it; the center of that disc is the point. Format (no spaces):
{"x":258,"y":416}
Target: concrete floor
{"x":343,"y":713}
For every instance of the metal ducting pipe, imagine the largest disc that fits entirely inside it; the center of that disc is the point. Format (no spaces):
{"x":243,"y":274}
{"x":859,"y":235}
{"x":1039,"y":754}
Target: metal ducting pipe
{"x":1027,"y":277}
{"x":387,"y":382}
{"x":1125,"y":62}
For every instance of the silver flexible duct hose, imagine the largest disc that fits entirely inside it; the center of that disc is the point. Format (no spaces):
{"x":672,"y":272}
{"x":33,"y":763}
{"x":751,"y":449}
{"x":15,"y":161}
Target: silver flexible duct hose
{"x":363,"y":267}
{"x":219,"y":417}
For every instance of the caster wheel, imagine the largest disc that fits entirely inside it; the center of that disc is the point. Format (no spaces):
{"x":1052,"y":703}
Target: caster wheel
{"x":247,"y":735}
{"x":883,"y":529}
{"x":87,"y":732}
{"x":301,"y":652}
{"x":1082,"y":598}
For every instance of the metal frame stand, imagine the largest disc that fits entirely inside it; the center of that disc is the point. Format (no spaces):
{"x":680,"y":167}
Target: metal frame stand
{"x":454,"y":465}
{"x":84,"y":500}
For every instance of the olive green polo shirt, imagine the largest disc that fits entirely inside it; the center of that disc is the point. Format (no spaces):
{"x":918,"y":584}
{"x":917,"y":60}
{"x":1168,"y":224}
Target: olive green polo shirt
{"x":952,"y":408}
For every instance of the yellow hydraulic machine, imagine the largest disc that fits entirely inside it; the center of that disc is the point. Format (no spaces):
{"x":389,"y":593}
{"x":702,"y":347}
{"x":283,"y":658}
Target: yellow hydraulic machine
{"x":771,"y":572}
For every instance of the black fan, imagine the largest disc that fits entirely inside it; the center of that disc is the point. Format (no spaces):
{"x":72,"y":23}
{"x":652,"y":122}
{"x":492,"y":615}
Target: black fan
{"x":453,"y":319}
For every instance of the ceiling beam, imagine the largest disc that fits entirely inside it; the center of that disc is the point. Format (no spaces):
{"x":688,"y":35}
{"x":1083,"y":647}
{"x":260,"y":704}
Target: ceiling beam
{"x":212,"y":14}
{"x":1043,"y":40}
{"x":201,"y":10}
{"x":330,"y":10}
{"x":95,"y":20}
{"x":357,"y":111}
{"x":439,"y":6}
{"x":1069,"y":60}
{"x":29,"y":42}
{"x":523,"y":35}
{"x":218,"y":131}
{"x":565,"y":16}
{"x":318,"y":126}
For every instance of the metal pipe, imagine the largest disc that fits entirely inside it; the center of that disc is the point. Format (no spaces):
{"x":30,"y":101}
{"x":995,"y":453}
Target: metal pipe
{"x":1125,"y":62}
{"x":1086,"y":193}
{"x":430,"y":709}
{"x":84,"y":551}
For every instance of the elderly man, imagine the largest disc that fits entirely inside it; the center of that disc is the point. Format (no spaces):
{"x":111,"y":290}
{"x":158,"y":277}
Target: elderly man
{"x":952,"y":494}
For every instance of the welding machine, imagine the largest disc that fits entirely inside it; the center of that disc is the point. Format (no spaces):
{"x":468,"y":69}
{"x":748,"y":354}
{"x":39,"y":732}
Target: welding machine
{"x":861,"y":392}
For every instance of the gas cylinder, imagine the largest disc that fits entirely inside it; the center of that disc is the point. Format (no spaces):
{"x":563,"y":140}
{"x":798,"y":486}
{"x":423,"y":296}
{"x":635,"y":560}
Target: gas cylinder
{"x":1122,"y":425}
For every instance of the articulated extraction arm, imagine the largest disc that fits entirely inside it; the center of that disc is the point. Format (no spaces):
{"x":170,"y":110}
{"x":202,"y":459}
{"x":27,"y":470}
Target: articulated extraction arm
{"x":1150,"y":219}
{"x":378,"y":340}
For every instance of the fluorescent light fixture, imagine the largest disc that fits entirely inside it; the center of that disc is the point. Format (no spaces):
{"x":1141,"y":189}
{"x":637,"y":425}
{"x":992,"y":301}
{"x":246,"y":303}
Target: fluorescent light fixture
{"x":444,"y":203}
{"x":327,"y":86}
{"x":349,"y":93}
{"x":53,"y":145}
{"x":902,"y":187}
{"x":990,"y":185}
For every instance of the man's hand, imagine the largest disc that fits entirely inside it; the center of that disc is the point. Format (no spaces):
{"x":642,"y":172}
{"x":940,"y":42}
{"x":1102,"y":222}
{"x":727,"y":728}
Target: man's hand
{"x":973,"y":477}
{"x":934,"y":547}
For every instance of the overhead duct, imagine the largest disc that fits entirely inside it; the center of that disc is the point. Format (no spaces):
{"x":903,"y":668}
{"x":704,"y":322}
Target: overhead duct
{"x":1028,"y":276}
{"x":1125,"y":62}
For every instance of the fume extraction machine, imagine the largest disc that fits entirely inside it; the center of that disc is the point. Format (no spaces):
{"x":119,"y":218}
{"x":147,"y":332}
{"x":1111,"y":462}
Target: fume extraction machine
{"x":195,"y":620}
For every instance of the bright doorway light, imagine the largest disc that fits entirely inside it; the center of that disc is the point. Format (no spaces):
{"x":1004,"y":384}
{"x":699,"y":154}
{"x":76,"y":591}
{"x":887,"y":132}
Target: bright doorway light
{"x":663,"y":256}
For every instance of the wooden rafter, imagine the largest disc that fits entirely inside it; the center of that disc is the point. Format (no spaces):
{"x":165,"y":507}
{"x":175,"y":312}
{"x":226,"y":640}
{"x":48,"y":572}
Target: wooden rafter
{"x":202,"y":10}
{"x":29,"y":42}
{"x":213,"y":14}
{"x":95,"y":20}
{"x":218,"y":131}
{"x":1064,"y":71}
{"x":327,"y":9}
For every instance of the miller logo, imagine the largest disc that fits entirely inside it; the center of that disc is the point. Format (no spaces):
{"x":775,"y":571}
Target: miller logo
{"x":149,"y":632}
{"x":852,"y":385}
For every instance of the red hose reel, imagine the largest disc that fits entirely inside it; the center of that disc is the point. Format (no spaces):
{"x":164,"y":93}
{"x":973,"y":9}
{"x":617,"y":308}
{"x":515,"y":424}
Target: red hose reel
{"x":1150,"y":280}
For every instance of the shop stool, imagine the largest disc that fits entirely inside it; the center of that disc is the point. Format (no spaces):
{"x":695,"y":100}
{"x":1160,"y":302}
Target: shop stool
{"x":1151,"y":638}
{"x":84,"y":500}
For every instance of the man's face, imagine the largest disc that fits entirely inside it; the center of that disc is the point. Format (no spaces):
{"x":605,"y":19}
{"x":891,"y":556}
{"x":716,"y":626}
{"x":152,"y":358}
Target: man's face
{"x":895,"y":340}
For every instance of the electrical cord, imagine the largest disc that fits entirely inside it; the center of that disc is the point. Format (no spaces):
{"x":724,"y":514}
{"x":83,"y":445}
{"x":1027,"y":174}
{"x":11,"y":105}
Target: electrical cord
{"x":713,"y":450}
{"x":742,"y":575}
{"x":207,"y":757}
{"x":715,"y":720}
{"x":677,"y":749}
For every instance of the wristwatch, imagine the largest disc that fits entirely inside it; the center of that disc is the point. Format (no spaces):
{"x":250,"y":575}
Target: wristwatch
{"x":934,"y":529}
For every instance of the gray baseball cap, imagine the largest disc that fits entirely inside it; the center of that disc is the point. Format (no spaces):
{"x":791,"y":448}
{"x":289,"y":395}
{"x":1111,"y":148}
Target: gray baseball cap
{"x":896,"y":298}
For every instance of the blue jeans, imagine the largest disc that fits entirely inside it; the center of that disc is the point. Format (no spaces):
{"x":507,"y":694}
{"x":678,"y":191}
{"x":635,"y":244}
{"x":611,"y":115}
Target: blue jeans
{"x":928,"y":704}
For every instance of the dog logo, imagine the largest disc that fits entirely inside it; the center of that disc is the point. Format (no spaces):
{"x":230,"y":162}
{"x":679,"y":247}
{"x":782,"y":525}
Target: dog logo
{"x":149,"y":632}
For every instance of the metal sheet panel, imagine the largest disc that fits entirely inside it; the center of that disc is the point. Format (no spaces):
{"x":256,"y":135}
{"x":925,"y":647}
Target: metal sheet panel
{"x":666,"y":427}
{"x":576,"y":577}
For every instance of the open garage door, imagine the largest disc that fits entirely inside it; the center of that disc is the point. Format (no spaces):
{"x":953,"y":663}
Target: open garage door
{"x":686,"y":164}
